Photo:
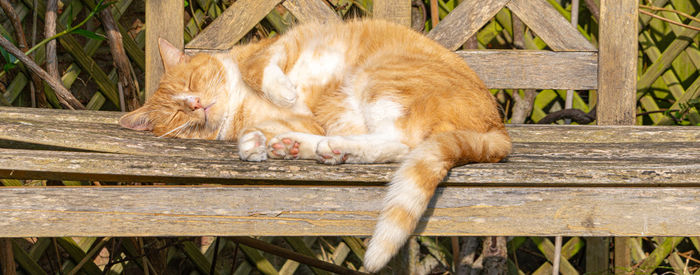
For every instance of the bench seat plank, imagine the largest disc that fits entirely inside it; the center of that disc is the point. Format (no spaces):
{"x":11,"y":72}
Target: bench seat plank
{"x":62,"y":165}
{"x":51,"y":144}
{"x":251,"y":210}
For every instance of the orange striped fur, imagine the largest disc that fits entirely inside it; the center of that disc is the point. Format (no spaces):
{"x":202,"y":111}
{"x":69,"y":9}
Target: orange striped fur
{"x":358,"y":92}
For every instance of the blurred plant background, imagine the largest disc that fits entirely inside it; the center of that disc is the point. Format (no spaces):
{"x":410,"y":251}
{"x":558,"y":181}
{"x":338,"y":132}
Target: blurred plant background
{"x":88,"y":62}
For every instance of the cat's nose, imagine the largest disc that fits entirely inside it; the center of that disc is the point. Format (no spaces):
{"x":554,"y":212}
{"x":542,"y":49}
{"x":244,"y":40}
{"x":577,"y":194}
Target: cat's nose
{"x":194,"y":103}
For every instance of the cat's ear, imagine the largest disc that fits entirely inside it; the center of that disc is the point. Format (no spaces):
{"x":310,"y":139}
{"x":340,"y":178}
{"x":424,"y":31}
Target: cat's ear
{"x":137,"y":120}
{"x":170,"y":54}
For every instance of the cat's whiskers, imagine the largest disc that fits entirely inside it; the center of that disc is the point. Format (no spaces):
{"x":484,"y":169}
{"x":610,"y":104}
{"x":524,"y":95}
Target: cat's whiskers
{"x":178,"y":129}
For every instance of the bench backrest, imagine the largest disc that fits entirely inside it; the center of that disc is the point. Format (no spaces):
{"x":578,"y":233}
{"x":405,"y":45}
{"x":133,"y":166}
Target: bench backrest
{"x":573,"y":62}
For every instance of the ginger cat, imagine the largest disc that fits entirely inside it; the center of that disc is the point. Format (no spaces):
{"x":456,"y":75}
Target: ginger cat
{"x":363,"y":91}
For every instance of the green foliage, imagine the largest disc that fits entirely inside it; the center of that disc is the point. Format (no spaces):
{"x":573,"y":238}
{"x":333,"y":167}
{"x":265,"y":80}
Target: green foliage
{"x":10,"y":60}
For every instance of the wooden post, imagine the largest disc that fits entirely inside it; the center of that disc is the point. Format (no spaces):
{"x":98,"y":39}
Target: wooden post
{"x":7,"y":260}
{"x":617,"y":59}
{"x":597,"y":255}
{"x":397,"y":11}
{"x":164,"y":19}
{"x":617,"y":82}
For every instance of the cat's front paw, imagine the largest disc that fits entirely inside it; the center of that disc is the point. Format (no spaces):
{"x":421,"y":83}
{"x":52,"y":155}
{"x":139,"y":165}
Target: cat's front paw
{"x":281,"y":91}
{"x":283,"y":148}
{"x":251,"y":147}
{"x":329,"y":151}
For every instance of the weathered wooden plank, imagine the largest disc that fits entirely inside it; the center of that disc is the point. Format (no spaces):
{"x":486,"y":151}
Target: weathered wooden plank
{"x":108,"y":138}
{"x":22,"y":124}
{"x":164,"y":20}
{"x":207,"y":211}
{"x":532,"y":170}
{"x":534,"y":69}
{"x":617,"y":73}
{"x":235,"y":22}
{"x":397,"y":11}
{"x":464,"y":21}
{"x":525,"y":69}
{"x":311,"y":11}
{"x":549,"y":25}
{"x":57,"y":116}
{"x":603,"y":134}
{"x":635,"y":143}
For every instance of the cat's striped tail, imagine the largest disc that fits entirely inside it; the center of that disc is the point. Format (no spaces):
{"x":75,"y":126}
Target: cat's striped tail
{"x":414,"y":183}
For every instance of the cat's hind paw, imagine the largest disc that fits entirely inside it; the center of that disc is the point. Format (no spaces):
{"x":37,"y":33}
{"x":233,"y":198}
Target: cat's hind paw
{"x":251,"y":147}
{"x":283,"y":148}
{"x":329,"y":152}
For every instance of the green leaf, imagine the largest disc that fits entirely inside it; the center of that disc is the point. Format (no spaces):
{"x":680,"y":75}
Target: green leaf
{"x":9,"y":60}
{"x":69,"y":24}
{"x":187,"y":3}
{"x":88,"y":34}
{"x":8,"y":66}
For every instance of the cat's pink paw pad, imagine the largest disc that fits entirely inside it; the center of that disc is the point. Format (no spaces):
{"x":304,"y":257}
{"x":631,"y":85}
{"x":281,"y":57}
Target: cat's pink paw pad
{"x":329,"y":153}
{"x":251,"y":147}
{"x":285,"y":148}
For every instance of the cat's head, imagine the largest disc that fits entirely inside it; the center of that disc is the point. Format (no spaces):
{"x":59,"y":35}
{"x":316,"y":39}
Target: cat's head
{"x":190,"y":99}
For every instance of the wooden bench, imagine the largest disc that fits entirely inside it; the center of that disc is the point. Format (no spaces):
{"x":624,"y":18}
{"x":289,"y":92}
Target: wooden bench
{"x":601,"y":180}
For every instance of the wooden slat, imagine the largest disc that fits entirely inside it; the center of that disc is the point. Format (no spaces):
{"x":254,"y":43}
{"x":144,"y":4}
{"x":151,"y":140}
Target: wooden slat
{"x":534,"y":69}
{"x":99,"y":130}
{"x":397,"y":11}
{"x":207,"y":211}
{"x":235,"y":22}
{"x":164,"y":19}
{"x":108,"y":138}
{"x":549,"y":25}
{"x":52,"y":148}
{"x":525,"y":69}
{"x":617,"y":75}
{"x":520,"y":170}
{"x":48,"y":115}
{"x":464,"y":21}
{"x":311,"y":11}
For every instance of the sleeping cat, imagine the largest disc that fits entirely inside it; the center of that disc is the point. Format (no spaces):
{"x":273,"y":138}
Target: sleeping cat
{"x":363,"y":91}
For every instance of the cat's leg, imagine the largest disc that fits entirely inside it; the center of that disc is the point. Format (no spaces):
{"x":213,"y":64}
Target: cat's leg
{"x":370,"y":148}
{"x":258,"y":142}
{"x":264,"y":73}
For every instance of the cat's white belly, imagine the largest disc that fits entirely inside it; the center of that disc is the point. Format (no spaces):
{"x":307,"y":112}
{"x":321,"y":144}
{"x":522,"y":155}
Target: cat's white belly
{"x":378,"y":117}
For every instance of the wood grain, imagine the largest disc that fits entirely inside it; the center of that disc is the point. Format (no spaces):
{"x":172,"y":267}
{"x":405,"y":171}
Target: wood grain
{"x":235,"y":22}
{"x":534,"y":167}
{"x":534,"y":69}
{"x":44,"y":144}
{"x":464,"y":21}
{"x":311,"y":11}
{"x":549,"y":25}
{"x":209,"y":211}
{"x":397,"y":11}
{"x":99,"y":132}
{"x":613,"y":155}
{"x":617,"y":75}
{"x":559,"y":180}
{"x":164,"y":19}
